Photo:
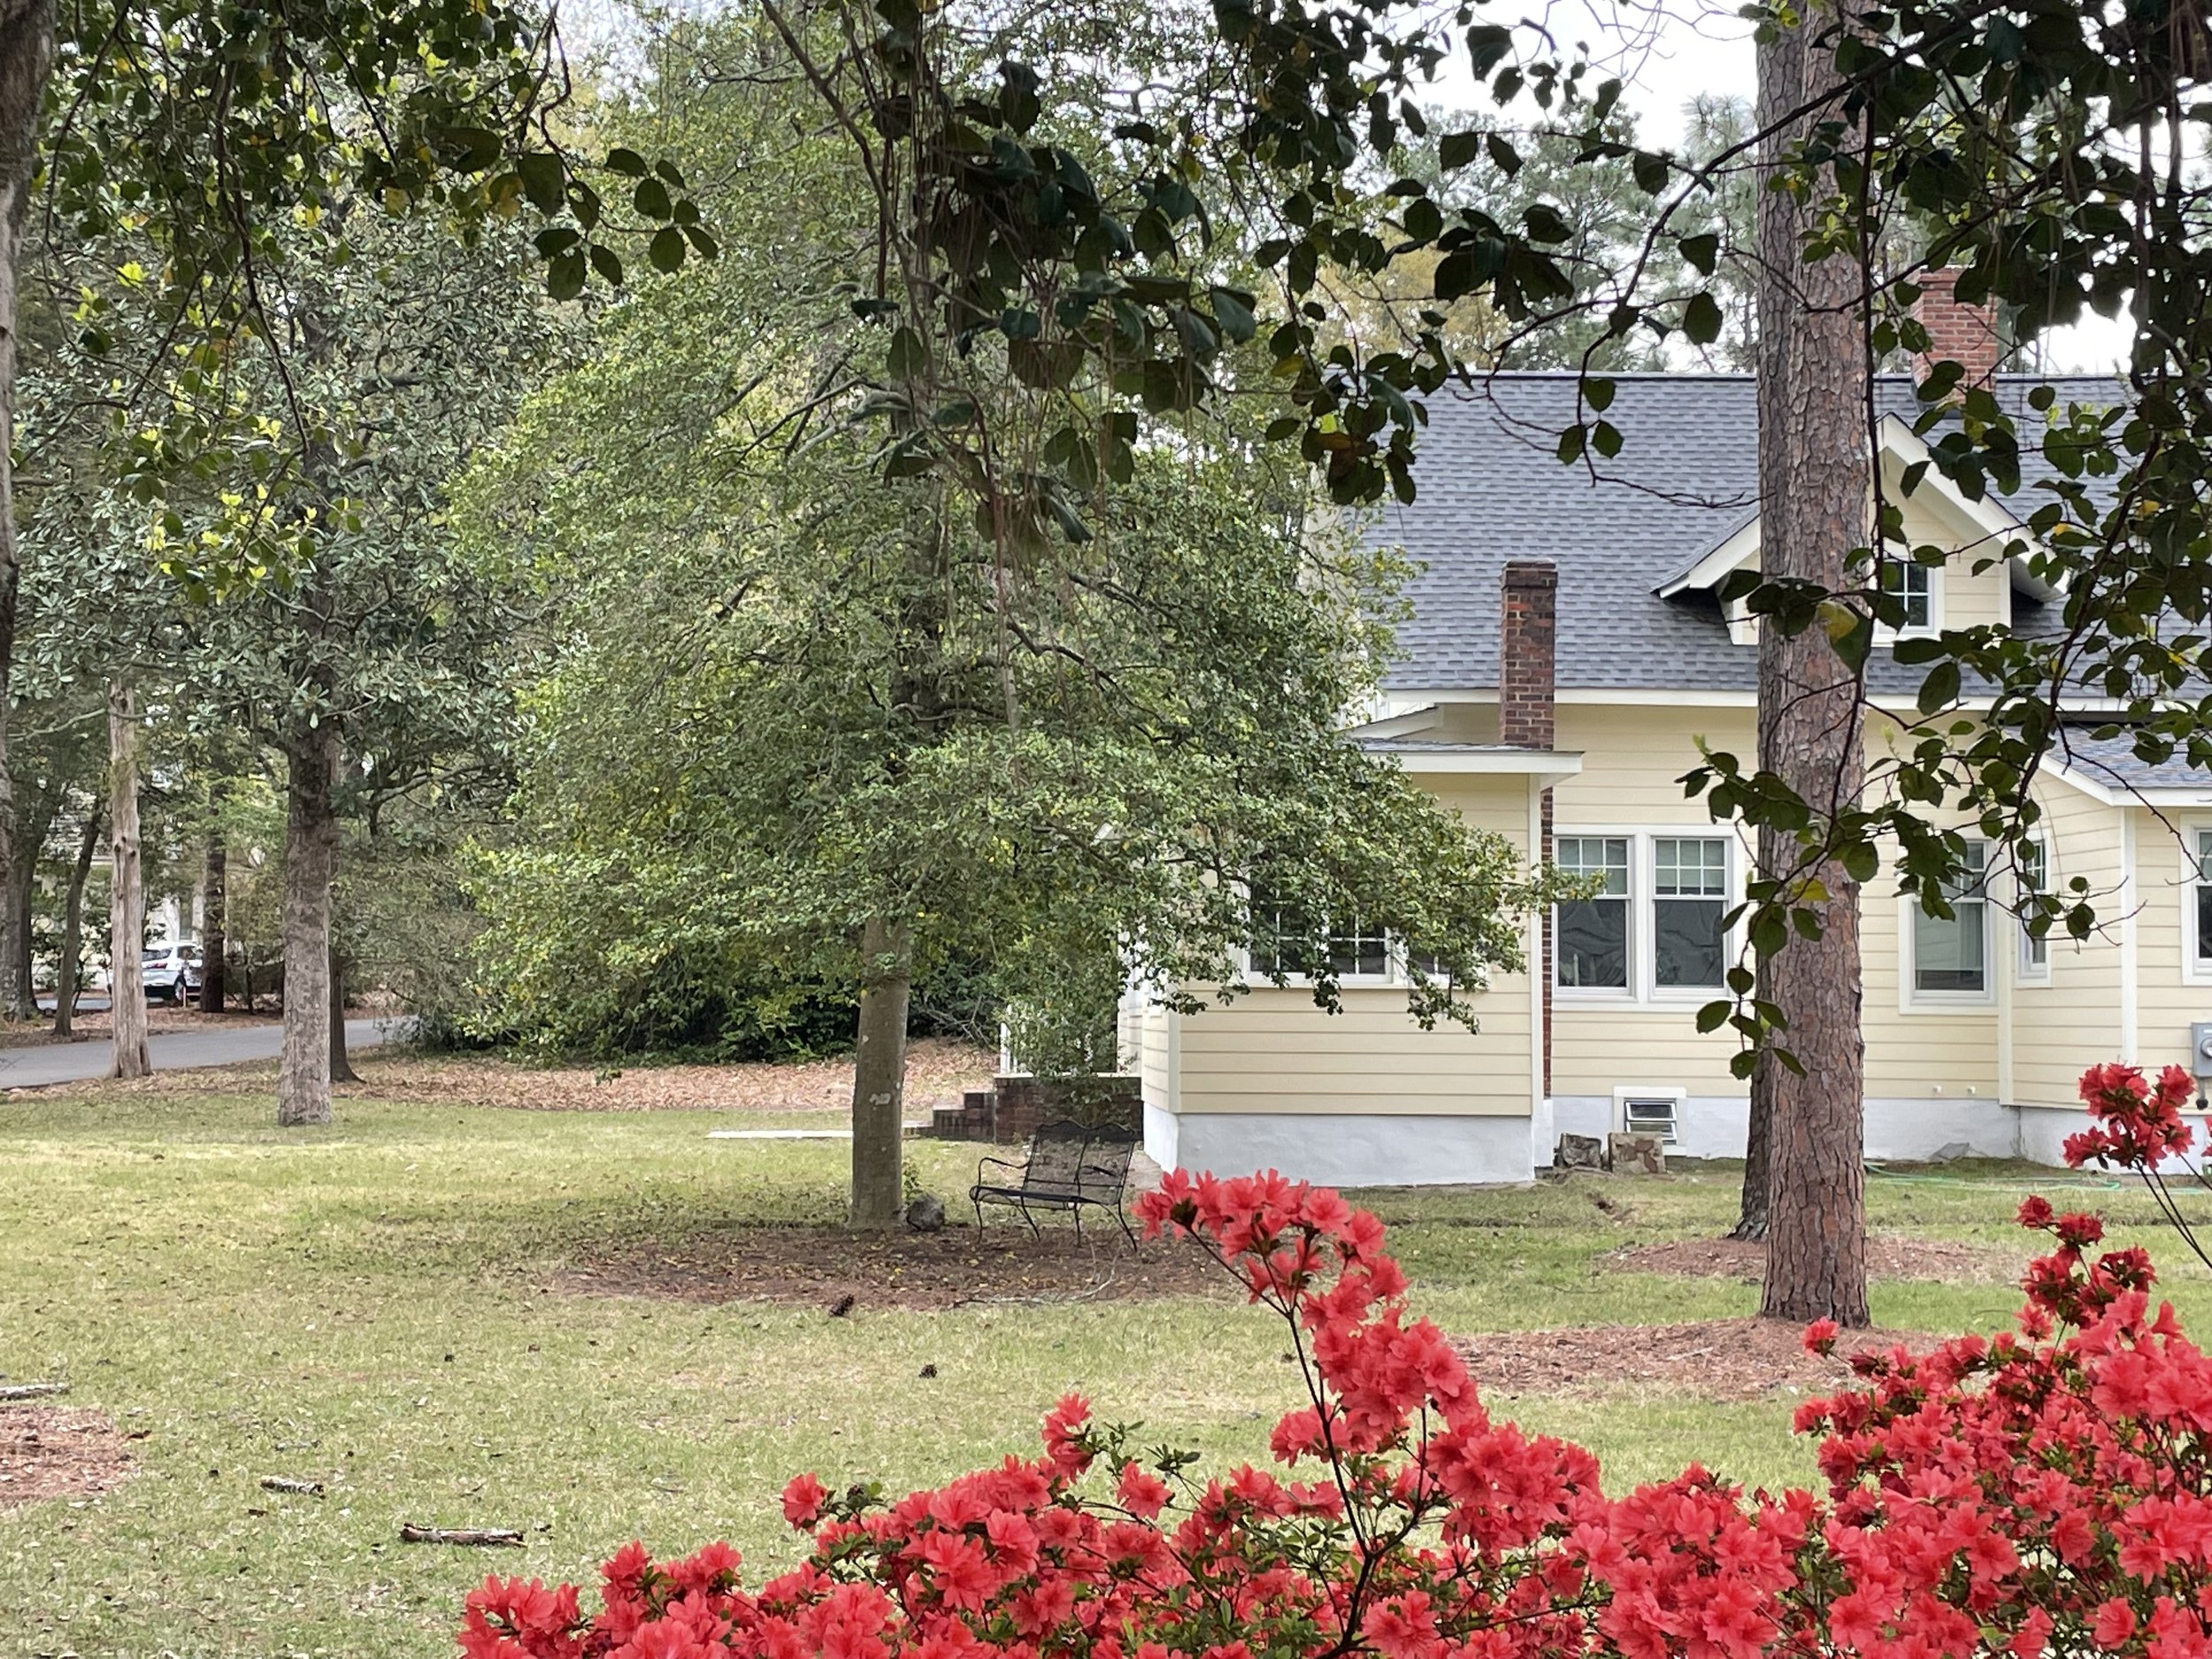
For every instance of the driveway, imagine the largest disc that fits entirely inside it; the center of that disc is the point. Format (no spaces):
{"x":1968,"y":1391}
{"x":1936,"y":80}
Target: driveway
{"x":170,"y":1050}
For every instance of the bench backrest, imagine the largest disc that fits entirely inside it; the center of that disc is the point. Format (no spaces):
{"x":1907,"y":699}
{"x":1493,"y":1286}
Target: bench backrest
{"x":1073,"y":1157}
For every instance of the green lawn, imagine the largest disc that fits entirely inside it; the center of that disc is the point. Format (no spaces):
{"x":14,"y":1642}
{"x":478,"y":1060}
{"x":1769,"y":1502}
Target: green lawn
{"x":369,"y":1305}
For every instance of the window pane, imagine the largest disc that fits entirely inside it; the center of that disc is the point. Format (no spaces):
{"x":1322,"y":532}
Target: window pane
{"x":2204,"y":923}
{"x":1687,"y":944}
{"x":1594,"y":943}
{"x":1275,"y":927}
{"x":1358,"y":950}
{"x":1596,"y":855}
{"x":1686,"y":868}
{"x":1948,"y":956}
{"x":2035,"y":953}
{"x":1912,"y":583}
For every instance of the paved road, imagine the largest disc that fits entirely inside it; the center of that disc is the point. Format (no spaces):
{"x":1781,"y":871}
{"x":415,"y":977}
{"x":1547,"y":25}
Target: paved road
{"x":75,"y":1062}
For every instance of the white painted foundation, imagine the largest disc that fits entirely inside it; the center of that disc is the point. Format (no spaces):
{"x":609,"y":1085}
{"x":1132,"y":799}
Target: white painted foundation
{"x":1351,"y":1149}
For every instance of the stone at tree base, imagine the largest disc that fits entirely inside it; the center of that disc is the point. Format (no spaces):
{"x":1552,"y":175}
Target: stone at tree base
{"x":926,"y":1214}
{"x":1636,"y":1155}
{"x":1578,"y":1152}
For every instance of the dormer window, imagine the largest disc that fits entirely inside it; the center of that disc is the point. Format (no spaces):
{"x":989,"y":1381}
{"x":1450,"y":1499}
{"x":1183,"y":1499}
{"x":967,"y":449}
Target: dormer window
{"x":1917,"y":585}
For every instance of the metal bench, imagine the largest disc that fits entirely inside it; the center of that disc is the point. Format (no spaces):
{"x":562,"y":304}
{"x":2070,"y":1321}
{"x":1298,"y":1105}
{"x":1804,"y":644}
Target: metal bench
{"x":1070,"y":1166}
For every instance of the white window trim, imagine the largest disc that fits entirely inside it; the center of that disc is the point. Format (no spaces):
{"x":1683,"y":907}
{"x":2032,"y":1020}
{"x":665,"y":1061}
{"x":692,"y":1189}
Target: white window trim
{"x":1886,"y":635}
{"x":1642,"y":990}
{"x":1910,"y":998}
{"x":1623,"y":1093}
{"x":2023,"y":971}
{"x":1394,"y":973}
{"x":2194,"y":972}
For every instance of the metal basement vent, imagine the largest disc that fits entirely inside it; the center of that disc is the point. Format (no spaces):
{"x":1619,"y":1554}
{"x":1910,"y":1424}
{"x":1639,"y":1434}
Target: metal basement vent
{"x":1650,"y":1115}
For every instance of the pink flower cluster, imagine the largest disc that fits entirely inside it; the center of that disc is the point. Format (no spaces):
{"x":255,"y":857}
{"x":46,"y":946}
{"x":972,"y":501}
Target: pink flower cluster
{"x":2046,"y":1491}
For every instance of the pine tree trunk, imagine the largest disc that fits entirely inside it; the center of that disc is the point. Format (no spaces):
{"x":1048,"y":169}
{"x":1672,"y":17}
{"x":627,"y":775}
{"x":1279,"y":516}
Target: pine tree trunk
{"x":311,"y":864}
{"x":127,"y":895}
{"x":73,"y":925}
{"x":213,"y":893}
{"x":1814,"y":510}
{"x":26,"y":56}
{"x":879,"y":1196}
{"x":22,"y":895}
{"x":341,"y":1064}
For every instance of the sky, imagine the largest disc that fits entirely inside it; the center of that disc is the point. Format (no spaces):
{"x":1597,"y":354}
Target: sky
{"x":1665,"y":52}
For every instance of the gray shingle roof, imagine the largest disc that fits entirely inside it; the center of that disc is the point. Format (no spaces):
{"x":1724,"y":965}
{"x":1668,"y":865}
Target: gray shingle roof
{"x":2113,"y":761}
{"x":1492,"y":489}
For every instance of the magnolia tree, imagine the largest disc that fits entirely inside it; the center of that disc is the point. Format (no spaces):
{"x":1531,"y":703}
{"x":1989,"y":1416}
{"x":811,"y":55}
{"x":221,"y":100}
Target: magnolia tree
{"x":2039,"y":1493}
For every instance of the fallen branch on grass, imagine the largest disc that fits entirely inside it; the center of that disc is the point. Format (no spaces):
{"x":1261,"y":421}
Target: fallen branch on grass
{"x":285,"y":1483}
{"x":31,"y":1390}
{"x":477,"y":1537}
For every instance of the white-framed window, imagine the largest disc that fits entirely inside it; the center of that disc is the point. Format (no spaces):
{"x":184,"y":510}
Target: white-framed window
{"x":1359,"y":952}
{"x":1921,"y":588}
{"x":1689,"y":896}
{"x":2033,"y":875}
{"x":1654,"y":929}
{"x":1948,"y":958}
{"x":1591,"y":936}
{"x":2199,"y":902}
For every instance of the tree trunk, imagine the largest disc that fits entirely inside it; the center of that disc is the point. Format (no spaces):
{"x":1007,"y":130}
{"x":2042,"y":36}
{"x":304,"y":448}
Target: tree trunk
{"x":341,"y":1065}
{"x":26,"y":56}
{"x":879,"y":1074}
{"x":311,"y":864}
{"x":65,"y":974}
{"x":1814,"y":511}
{"x":127,"y":896}
{"x":214,"y":884}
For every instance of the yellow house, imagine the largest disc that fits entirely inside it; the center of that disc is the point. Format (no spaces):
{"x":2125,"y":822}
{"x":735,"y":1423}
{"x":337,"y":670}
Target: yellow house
{"x":1566,"y":656}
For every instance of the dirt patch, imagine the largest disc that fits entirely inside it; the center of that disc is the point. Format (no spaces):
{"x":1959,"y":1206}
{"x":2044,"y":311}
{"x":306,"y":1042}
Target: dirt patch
{"x":1724,"y":1360}
{"x":49,"y":1452}
{"x":1887,"y":1256}
{"x":825,"y":1267}
{"x":938,"y":1073}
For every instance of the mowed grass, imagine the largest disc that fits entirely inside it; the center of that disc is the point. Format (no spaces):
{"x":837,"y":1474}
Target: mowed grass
{"x":372,"y":1306}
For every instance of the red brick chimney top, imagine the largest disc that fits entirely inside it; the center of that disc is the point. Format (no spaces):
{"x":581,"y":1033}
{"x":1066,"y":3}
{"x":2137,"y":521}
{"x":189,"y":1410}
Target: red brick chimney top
{"x":1527,"y":634}
{"x":1957,"y":333}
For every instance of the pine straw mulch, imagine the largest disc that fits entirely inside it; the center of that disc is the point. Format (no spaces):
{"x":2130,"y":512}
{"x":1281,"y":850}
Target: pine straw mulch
{"x":938,"y":1072}
{"x":841,"y":1273}
{"x":53,"y":1452}
{"x":1727,"y":1361}
{"x":1887,"y":1256}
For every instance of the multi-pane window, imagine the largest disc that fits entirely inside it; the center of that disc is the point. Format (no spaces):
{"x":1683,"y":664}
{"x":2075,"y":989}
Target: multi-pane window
{"x":1951,"y":956}
{"x":1914,"y":584}
{"x":1689,"y":897}
{"x":2203,"y":901}
{"x":2035,"y":951}
{"x":1358,"y":947}
{"x":1276,"y":929}
{"x":1279,"y":928}
{"x":1592,"y":937}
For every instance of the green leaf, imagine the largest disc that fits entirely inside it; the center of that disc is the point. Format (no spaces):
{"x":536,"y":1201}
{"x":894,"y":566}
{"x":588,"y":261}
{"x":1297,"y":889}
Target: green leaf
{"x":1233,"y":310}
{"x":1455,"y":151}
{"x":1503,"y":157}
{"x":564,"y":275}
{"x":1702,"y":319}
{"x":651,"y":198}
{"x":626,"y":162}
{"x":1703,"y":252}
{"x":1713,"y":1015}
{"x":543,"y":180}
{"x":1940,"y":689}
{"x":666,"y":249}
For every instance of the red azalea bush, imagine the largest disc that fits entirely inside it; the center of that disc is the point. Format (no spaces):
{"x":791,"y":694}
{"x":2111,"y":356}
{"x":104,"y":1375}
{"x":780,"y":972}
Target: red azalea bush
{"x":2047,"y":1491}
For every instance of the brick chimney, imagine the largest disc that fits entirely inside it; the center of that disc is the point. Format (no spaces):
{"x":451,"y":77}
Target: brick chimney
{"x":1528,"y":632}
{"x":1957,"y":333}
{"x":1527,"y":636}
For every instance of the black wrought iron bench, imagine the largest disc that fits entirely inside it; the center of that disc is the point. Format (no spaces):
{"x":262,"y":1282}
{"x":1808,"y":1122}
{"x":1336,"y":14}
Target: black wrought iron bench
{"x":1070,"y":1166}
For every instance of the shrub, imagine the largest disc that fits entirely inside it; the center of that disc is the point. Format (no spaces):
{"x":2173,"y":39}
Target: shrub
{"x":2042,"y":1492}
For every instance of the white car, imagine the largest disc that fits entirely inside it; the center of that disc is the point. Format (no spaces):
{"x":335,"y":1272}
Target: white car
{"x":173,"y":973}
